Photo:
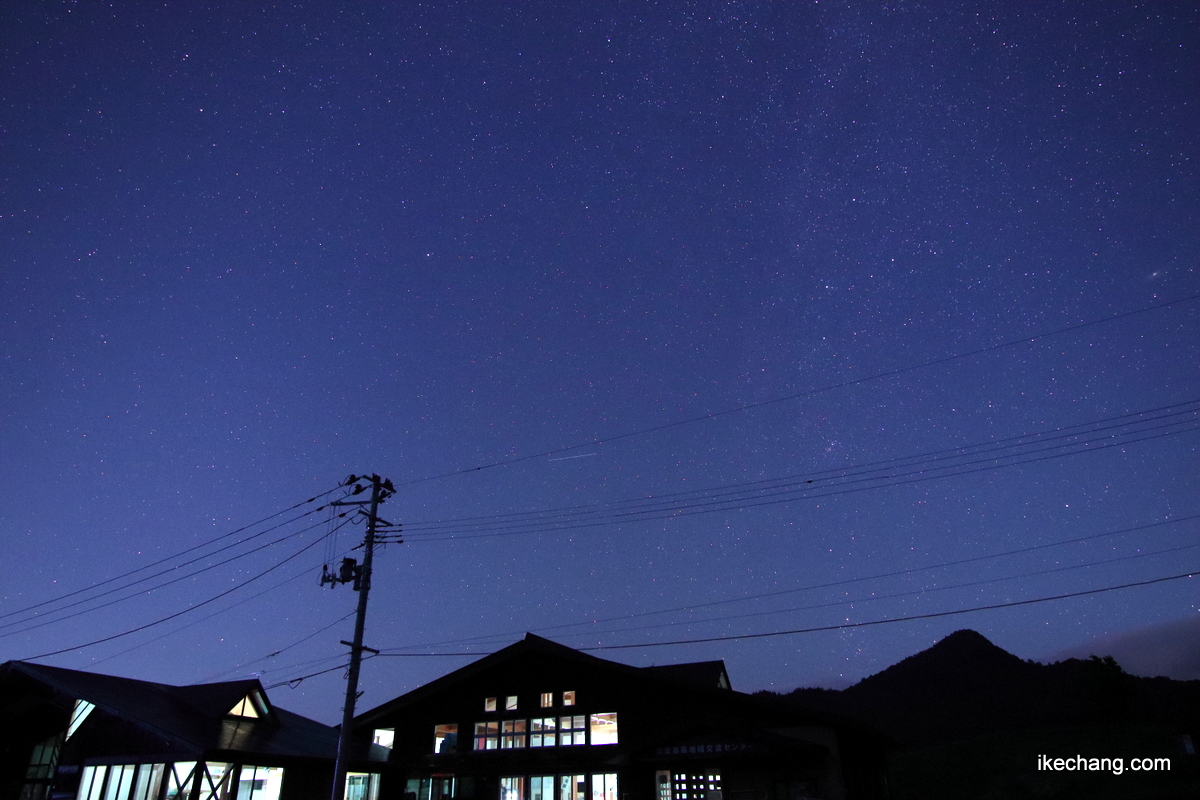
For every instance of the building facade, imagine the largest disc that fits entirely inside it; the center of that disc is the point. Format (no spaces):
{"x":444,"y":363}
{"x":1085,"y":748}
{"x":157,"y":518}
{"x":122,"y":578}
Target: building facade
{"x":71,"y":734}
{"x":540,"y":721}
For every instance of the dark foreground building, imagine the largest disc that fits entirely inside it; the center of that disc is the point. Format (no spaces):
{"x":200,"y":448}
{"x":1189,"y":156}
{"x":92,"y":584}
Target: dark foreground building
{"x":540,"y":721}
{"x":70,"y":734}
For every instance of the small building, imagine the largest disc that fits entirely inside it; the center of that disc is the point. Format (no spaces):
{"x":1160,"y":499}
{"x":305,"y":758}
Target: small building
{"x":71,"y":734}
{"x":541,"y":721}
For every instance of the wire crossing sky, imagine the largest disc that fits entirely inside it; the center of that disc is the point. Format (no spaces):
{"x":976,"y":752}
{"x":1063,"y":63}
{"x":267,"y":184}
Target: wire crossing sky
{"x":671,"y":323}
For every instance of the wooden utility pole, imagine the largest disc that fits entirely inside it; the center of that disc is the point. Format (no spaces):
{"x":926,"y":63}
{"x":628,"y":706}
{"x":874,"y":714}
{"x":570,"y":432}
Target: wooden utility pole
{"x":361,"y":577}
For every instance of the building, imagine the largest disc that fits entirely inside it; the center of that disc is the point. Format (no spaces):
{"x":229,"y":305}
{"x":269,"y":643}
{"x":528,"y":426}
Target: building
{"x":70,"y":734}
{"x":540,"y":721}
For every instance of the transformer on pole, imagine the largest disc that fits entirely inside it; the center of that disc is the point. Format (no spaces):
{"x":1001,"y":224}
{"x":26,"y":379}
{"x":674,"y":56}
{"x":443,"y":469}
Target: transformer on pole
{"x":359,"y":575}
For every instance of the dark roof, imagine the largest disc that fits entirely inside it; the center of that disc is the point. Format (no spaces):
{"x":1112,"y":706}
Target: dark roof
{"x":530,"y":644}
{"x":195,"y":716}
{"x":700,"y":673}
{"x":700,"y":677}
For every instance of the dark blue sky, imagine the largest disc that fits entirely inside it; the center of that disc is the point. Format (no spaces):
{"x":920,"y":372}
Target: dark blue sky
{"x":250,"y":248}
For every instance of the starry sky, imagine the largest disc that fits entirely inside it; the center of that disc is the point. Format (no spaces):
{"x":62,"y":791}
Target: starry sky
{"x":668,"y":321}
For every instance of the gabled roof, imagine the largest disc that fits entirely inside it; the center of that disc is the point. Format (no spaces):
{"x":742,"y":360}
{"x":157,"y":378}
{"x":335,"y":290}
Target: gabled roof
{"x":530,"y":644}
{"x":197,"y":717}
{"x":704,"y":678}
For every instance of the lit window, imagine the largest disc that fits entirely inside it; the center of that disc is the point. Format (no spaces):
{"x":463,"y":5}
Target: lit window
{"x":541,"y":787}
{"x":510,"y":703}
{"x":572,"y":787}
{"x":547,"y":699}
{"x":572,"y":730}
{"x":487,"y":735}
{"x":249,"y":706}
{"x":385,"y":737}
{"x":568,"y":698}
{"x":120,"y":781}
{"x":91,"y":782}
{"x":260,"y":783}
{"x":44,"y":759}
{"x":513,"y":734}
{"x":362,"y":786}
{"x":603,"y":728}
{"x":512,"y":789}
{"x":437,"y":787}
{"x":179,"y":780}
{"x":489,"y":704}
{"x":542,"y":732}
{"x":150,"y":778}
{"x":696,"y":785}
{"x":604,"y":786}
{"x":445,"y":738}
{"x":662,"y":779}
{"x":78,"y":715}
{"x":214,"y":780}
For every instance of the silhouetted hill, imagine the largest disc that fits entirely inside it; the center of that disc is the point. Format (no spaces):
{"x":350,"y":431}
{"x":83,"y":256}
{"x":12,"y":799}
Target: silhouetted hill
{"x":972,"y":720}
{"x":966,"y":686}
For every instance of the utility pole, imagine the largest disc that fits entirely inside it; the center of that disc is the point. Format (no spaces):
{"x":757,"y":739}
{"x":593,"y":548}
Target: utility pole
{"x":360,"y":575}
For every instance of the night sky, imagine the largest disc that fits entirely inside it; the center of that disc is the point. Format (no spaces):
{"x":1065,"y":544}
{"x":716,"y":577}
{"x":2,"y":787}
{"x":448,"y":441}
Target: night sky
{"x":668,"y":321}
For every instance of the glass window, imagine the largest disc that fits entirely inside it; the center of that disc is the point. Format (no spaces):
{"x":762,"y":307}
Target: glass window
{"x":568,"y":698}
{"x":179,"y":780}
{"x":604,"y":786}
{"x":385,"y":737}
{"x":445,"y":738}
{"x":513,"y":734}
{"x":149,"y":779}
{"x":697,"y":785}
{"x":510,"y":703}
{"x":80,"y":713}
{"x":43,"y":760}
{"x":603,"y":728}
{"x":547,"y":699}
{"x":251,"y":706}
{"x":260,"y":783}
{"x":541,"y":787}
{"x":572,"y":730}
{"x":91,"y":783}
{"x":662,"y":780}
{"x":489,"y":704}
{"x":487,"y":735}
{"x":214,"y":780}
{"x":512,"y":788}
{"x":362,"y":786}
{"x":120,"y":779}
{"x":542,"y":731}
{"x":573,"y":787}
{"x":437,"y":787}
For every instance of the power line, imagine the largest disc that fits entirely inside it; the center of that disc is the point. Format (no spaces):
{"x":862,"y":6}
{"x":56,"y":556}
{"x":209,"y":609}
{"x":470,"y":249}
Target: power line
{"x":932,"y":615}
{"x":914,"y":593}
{"x":132,"y":572}
{"x":294,"y":682}
{"x":826,"y":585}
{"x":822,"y":484}
{"x":849,"y":625}
{"x":804,"y":394}
{"x":142,"y":592}
{"x":1024,"y":440}
{"x":188,"y":610}
{"x":285,"y":669}
{"x":217,"y":613}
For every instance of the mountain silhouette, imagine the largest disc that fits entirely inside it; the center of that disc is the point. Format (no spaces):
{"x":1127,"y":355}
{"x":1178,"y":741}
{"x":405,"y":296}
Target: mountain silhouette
{"x":965,"y":686}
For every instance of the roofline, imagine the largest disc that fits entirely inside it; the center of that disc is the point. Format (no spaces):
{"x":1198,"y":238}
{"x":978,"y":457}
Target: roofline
{"x":34,"y":672}
{"x":530,"y":642}
{"x":539,"y":644}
